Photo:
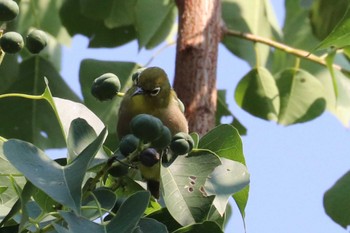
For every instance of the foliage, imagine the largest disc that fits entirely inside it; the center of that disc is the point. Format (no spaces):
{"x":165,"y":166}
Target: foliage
{"x":297,"y":72}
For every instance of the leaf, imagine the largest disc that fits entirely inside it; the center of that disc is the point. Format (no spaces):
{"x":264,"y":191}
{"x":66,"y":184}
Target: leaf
{"x":107,"y":111}
{"x":165,"y":217}
{"x":224,"y":141}
{"x":150,"y":225}
{"x":122,"y":14}
{"x":63,"y":184}
{"x":29,"y":120}
{"x":226,"y":179}
{"x":336,"y":201}
{"x":301,"y":96}
{"x":340,"y":35}
{"x":95,"y":9}
{"x":129,"y":213}
{"x":80,"y":135}
{"x":98,"y":202}
{"x":154,"y":20}
{"x":255,"y":16}
{"x":325,"y":15}
{"x":79,"y":224}
{"x":204,"y":227}
{"x":337,"y":92}
{"x":182,"y":185}
{"x":257,"y":93}
{"x":45,"y":14}
{"x":222,"y":110}
{"x":99,"y":35}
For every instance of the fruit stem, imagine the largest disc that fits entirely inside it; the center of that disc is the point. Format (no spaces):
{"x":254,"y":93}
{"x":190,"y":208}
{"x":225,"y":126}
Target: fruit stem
{"x":34,"y":97}
{"x":120,"y":94}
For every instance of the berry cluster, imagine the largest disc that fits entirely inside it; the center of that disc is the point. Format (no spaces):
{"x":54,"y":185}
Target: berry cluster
{"x":12,"y":42}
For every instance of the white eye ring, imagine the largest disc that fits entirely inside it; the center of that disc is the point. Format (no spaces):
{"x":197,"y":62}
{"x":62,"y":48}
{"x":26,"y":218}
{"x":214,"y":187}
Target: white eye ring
{"x":155,"y":91}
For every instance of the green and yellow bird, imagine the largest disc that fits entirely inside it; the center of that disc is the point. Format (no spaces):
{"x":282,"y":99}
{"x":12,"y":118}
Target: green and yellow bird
{"x":151,"y":94}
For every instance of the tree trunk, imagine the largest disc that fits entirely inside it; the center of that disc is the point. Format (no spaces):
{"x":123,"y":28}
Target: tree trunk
{"x":196,"y":61}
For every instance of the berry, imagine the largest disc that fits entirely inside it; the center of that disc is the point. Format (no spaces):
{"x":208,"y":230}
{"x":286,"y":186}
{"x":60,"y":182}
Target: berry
{"x":8,"y":10}
{"x":105,"y":87}
{"x":118,"y":170}
{"x":163,"y":140}
{"x":146,"y":127}
{"x":36,"y":41}
{"x":182,"y":143}
{"x":128,"y":144}
{"x":149,"y":157}
{"x":11,"y":42}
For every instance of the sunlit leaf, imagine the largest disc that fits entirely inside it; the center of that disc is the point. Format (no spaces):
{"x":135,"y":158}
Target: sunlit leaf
{"x":325,"y":15}
{"x":257,"y":93}
{"x":301,"y":96}
{"x":224,"y":181}
{"x":340,"y":36}
{"x":336,"y":201}
{"x":183,"y":186}
{"x":154,"y":20}
{"x":255,"y":16}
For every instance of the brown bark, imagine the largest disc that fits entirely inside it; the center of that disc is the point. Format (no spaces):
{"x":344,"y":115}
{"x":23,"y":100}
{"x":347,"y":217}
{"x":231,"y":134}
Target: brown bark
{"x":196,"y":61}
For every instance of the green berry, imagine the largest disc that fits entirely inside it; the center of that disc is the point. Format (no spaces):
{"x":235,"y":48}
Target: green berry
{"x":128,"y":144}
{"x":149,"y":157}
{"x":118,"y":170}
{"x":146,"y":127}
{"x":36,"y":41}
{"x":182,"y":143}
{"x":8,"y":10}
{"x":11,"y":42}
{"x":105,"y":87}
{"x":163,"y":140}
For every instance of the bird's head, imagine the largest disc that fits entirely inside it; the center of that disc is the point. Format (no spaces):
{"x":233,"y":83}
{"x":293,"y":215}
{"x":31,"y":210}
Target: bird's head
{"x":153,"y":84}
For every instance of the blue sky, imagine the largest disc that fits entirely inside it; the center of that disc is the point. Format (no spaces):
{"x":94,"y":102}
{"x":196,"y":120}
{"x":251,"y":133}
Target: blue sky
{"x":291,"y":167}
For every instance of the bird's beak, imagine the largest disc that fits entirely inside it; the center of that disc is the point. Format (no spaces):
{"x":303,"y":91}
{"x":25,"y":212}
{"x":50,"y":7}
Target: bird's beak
{"x":138,"y":91}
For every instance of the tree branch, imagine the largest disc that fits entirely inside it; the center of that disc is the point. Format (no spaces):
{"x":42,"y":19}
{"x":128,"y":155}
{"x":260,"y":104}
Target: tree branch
{"x":296,"y":52}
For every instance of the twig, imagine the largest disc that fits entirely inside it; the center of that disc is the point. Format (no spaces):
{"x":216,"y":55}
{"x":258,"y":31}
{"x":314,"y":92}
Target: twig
{"x":297,"y":52}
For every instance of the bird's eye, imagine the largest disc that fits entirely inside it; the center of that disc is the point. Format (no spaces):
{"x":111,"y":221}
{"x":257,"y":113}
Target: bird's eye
{"x":155,"y":91}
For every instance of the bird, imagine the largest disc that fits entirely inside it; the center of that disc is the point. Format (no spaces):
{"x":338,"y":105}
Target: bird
{"x":151,"y":93}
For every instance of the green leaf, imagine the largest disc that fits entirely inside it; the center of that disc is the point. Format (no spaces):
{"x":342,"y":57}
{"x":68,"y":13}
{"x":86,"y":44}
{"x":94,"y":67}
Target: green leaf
{"x":226,"y":179}
{"x":154,"y":20}
{"x":45,"y":14}
{"x":204,"y":227}
{"x":98,"y":202}
{"x":98,"y":34}
{"x":224,"y":141}
{"x":79,"y":224}
{"x":222,"y":110}
{"x":257,"y":93}
{"x":301,"y":96}
{"x":107,"y":111}
{"x":184,"y":181}
{"x":62,"y":184}
{"x":325,"y":15}
{"x":336,"y":201}
{"x":96,"y":9}
{"x":340,"y":36}
{"x":81,"y":135}
{"x":165,"y":217}
{"x":150,"y":225}
{"x":29,"y":120}
{"x":122,"y":14}
{"x":129,"y":213}
{"x":254,"y":16}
